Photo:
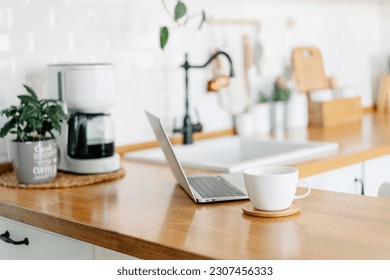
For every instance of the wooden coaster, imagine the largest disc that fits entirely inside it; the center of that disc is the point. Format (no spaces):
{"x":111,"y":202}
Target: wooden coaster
{"x":63,"y":180}
{"x":250,"y":210}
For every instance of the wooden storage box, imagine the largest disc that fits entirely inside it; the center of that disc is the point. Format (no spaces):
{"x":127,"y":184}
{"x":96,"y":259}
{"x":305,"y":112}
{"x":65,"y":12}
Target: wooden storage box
{"x":335,"y":112}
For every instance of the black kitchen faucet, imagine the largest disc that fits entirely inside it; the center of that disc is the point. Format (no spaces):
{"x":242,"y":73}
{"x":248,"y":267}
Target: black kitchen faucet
{"x":188,"y":127}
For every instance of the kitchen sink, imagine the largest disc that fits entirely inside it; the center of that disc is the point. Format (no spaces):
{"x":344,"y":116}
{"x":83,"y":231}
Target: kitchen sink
{"x":234,"y":153}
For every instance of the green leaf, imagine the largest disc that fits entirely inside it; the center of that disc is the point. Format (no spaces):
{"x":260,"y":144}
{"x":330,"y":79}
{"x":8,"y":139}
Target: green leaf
{"x":203,"y":19}
{"x":31,"y":91}
{"x":164,"y":35}
{"x":10,"y":112}
{"x":7,"y":128}
{"x":180,"y":10}
{"x":26,"y":100}
{"x":30,"y":112}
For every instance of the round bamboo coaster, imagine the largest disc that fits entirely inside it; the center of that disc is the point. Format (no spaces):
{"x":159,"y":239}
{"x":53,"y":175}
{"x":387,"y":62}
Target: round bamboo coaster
{"x":250,"y":210}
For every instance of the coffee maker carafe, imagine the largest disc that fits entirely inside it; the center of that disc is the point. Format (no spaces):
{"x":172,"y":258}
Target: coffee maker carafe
{"x":86,"y":142}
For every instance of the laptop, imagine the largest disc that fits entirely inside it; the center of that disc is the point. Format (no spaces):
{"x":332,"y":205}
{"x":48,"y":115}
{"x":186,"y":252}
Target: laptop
{"x":200,"y":188}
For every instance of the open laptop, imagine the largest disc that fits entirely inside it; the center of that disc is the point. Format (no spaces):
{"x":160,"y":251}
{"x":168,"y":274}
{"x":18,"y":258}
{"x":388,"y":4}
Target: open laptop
{"x":201,"y":188}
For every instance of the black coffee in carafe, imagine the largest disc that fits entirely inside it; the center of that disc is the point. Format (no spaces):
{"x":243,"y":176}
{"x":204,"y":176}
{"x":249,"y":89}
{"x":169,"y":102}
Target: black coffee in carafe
{"x":90,"y":136}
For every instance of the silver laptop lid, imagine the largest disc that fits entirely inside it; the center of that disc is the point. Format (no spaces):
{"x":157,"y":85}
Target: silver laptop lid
{"x":166,"y":146}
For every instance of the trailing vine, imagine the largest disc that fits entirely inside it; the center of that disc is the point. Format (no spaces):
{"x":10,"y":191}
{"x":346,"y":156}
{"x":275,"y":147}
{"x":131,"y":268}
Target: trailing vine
{"x":180,"y":17}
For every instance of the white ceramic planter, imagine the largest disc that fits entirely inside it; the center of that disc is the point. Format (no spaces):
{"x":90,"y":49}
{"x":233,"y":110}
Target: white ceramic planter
{"x":261,"y":119}
{"x":34,"y":162}
{"x":278,"y":116}
{"x":297,"y":112}
{"x":244,"y":124}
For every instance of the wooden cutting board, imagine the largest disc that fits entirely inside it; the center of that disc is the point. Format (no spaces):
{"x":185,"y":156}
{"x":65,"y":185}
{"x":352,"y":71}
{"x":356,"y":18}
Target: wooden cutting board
{"x":310,"y":75}
{"x":383,"y":99}
{"x":308,"y":69}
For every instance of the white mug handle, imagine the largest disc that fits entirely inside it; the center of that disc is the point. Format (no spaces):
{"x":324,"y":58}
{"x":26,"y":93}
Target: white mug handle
{"x":307,"y":192}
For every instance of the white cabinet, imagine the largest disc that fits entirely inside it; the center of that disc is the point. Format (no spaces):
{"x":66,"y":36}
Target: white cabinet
{"x":46,"y":245}
{"x":376,"y":172}
{"x":42,"y":244}
{"x":353,"y":178}
{"x":346,"y":179}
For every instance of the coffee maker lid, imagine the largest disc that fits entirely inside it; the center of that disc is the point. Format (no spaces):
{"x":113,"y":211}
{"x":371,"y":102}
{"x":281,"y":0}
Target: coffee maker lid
{"x":84,"y":87}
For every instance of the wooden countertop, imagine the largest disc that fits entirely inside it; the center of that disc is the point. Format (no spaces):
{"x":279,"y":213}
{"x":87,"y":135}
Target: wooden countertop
{"x":147,"y":215}
{"x":358,"y":142}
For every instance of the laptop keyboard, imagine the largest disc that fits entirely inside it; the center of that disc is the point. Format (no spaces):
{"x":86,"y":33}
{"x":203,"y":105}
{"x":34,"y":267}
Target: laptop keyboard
{"x":213,"y":187}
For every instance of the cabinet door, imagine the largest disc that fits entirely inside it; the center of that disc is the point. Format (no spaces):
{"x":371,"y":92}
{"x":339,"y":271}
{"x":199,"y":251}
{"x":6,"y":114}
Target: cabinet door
{"x":339,"y":180}
{"x":3,"y":245}
{"x":376,"y":172}
{"x":42,"y":244}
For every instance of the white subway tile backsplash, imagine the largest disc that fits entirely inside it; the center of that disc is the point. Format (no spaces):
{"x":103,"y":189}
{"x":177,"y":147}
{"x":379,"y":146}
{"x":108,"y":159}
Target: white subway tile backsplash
{"x":69,"y":19}
{"x":9,"y":91}
{"x":45,"y":4}
{"x":50,"y":42}
{"x":5,"y":45}
{"x":114,"y":19}
{"x":122,"y":43}
{"x":15,"y":42}
{"x":90,"y":42}
{"x":6,"y":67}
{"x":87,"y":3}
{"x":135,"y":128}
{"x":33,"y":69}
{"x":5,"y":18}
{"x":31,"y":18}
{"x":14,"y":3}
{"x":8,"y":96}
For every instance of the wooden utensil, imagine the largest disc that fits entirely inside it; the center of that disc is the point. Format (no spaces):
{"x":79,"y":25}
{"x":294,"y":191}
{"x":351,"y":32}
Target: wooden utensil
{"x":308,"y":69}
{"x":248,"y":60}
{"x":383,"y":98}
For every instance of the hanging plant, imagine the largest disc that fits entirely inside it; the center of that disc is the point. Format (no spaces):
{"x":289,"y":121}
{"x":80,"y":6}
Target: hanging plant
{"x":180,"y":17}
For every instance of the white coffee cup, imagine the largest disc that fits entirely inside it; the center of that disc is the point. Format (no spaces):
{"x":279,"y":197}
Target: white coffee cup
{"x":273,"y":188}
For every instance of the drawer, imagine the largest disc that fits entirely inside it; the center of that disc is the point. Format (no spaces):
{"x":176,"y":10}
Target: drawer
{"x":42,"y":244}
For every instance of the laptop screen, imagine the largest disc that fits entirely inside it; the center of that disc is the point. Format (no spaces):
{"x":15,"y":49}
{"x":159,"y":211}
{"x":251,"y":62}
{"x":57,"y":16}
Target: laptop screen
{"x":170,"y":156}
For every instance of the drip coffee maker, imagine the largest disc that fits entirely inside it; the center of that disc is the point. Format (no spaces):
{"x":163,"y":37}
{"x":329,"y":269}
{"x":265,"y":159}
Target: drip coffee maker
{"x":86,"y":144}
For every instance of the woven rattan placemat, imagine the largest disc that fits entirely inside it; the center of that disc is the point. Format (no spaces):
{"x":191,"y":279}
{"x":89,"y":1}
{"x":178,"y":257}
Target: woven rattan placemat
{"x":62,"y":180}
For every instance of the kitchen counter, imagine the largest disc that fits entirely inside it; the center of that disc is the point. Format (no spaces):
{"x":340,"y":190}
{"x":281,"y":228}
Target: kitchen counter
{"x":147,"y":215}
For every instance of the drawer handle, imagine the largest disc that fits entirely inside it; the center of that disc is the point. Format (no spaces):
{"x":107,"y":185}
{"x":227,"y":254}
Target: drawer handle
{"x":361,"y":182}
{"x":5,"y":238}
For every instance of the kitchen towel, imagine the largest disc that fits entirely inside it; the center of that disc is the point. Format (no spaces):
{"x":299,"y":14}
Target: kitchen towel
{"x":235,"y":97}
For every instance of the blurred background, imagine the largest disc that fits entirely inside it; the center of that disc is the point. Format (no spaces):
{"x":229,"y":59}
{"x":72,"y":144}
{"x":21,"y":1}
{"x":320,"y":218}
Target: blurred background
{"x":34,"y":33}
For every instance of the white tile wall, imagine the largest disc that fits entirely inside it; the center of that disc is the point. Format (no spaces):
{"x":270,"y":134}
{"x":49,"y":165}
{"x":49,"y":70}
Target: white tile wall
{"x":34,"y":33}
{"x":385,"y":24}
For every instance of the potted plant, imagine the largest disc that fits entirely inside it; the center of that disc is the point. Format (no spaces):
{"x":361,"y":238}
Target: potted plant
{"x":261,"y":115}
{"x":34,"y":151}
{"x":280,"y":96}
